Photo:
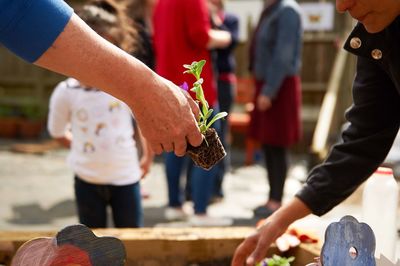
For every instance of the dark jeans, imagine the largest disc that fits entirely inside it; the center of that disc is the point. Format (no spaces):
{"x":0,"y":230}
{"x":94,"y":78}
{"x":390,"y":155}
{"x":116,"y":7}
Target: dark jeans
{"x":276,"y":159}
{"x":92,"y":201}
{"x":225,"y":100}
{"x":201,"y":182}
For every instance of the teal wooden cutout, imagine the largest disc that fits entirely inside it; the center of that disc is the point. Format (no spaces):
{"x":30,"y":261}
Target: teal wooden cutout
{"x":348,"y":243}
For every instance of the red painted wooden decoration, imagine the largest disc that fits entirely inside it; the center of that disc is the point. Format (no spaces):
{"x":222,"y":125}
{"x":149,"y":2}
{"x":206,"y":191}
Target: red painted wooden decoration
{"x":75,"y":245}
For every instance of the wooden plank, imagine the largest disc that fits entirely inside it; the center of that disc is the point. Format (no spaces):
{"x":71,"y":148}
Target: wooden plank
{"x":174,"y":246}
{"x":320,"y":37}
{"x":322,"y":130}
{"x":313,"y":86}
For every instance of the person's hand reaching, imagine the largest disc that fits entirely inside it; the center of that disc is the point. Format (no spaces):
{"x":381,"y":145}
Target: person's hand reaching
{"x":254,"y":248}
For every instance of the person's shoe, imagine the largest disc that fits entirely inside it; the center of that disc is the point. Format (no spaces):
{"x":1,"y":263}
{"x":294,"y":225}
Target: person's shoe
{"x":175,"y":214}
{"x":263,"y":211}
{"x":216,"y":199}
{"x":207,"y":221}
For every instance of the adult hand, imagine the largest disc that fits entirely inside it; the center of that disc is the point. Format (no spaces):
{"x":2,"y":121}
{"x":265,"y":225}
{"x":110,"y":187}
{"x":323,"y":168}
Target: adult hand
{"x":167,"y":118}
{"x":253,"y":249}
{"x":263,"y":102}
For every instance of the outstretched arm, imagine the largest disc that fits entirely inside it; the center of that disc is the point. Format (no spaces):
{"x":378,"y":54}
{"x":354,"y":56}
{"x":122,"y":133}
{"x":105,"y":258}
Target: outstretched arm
{"x":158,"y":104}
{"x":253,"y":249}
{"x":68,"y":46}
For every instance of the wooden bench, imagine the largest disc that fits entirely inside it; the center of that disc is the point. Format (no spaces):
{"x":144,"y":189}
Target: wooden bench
{"x":167,"y":246}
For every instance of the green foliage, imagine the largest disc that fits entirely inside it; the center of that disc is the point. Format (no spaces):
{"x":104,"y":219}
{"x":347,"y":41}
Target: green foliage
{"x":276,"y":261}
{"x":205,"y":113}
{"x":32,"y":112}
{"x":28,"y":111}
{"x":7,"y":111}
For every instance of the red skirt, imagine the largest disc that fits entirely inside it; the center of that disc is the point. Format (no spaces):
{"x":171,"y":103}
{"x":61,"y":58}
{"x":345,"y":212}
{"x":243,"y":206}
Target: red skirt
{"x":281,"y":124}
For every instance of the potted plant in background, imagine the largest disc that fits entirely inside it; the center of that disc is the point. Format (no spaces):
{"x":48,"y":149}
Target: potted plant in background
{"x":32,"y":122}
{"x":211,"y":150}
{"x":8,"y":122}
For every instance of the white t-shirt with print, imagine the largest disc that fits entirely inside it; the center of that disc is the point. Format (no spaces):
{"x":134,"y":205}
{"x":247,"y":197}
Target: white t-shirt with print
{"x":103,"y":150}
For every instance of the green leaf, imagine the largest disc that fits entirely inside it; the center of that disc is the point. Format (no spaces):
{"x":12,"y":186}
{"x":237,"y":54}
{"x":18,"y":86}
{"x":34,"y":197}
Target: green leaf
{"x":195,"y":69}
{"x":203,"y":128}
{"x":204,"y":109}
{"x":198,"y":82}
{"x":216,"y":117}
{"x":277,"y":261}
{"x":199,"y":67}
{"x":209,"y":113}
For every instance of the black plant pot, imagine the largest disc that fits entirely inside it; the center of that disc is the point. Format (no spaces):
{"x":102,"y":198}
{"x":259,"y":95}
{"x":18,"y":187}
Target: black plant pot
{"x":209,"y":153}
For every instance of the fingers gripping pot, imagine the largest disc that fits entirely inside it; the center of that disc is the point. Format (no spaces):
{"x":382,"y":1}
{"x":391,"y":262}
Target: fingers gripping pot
{"x":209,"y":153}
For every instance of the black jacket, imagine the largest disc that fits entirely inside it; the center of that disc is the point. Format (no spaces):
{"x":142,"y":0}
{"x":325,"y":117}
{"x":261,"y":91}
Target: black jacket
{"x":374,"y":120}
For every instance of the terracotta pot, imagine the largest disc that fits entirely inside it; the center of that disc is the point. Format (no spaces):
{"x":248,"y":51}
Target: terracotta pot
{"x":28,"y":129}
{"x":209,"y":153}
{"x":8,"y":127}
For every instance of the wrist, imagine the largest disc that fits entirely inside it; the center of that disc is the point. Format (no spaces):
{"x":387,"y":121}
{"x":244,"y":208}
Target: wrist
{"x":289,"y":213}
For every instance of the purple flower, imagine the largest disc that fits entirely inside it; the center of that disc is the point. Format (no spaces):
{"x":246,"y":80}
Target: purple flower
{"x":184,"y":86}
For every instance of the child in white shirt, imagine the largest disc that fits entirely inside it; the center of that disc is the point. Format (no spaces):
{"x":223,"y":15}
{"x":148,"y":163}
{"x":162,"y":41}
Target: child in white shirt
{"x":103,"y":152}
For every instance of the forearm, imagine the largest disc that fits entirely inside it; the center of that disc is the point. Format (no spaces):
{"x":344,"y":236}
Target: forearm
{"x":294,"y":210}
{"x":80,"y":53}
{"x":92,"y":60}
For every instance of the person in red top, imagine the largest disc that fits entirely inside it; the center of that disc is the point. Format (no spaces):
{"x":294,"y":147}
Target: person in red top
{"x":183,"y":34}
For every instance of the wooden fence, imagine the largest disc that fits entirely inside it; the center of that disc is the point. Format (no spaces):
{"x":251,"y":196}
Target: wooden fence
{"x":23,"y":84}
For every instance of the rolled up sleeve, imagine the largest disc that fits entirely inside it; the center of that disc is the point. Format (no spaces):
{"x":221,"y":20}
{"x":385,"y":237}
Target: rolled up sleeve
{"x":29,"y":27}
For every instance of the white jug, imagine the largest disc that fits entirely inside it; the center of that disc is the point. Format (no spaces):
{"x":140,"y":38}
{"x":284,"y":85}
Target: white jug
{"x":379,"y":210}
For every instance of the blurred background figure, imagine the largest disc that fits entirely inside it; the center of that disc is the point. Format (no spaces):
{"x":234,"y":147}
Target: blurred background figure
{"x":141,"y":11}
{"x":224,"y":61}
{"x":103,"y":153}
{"x":183,"y":34}
{"x":275,"y":59}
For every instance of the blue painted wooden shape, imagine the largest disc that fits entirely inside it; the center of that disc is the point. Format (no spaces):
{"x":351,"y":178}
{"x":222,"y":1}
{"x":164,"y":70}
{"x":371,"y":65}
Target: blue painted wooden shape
{"x":341,"y":237}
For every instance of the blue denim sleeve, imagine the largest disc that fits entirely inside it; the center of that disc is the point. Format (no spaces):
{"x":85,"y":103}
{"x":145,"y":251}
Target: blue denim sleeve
{"x":283,"y":58}
{"x":29,"y":27}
